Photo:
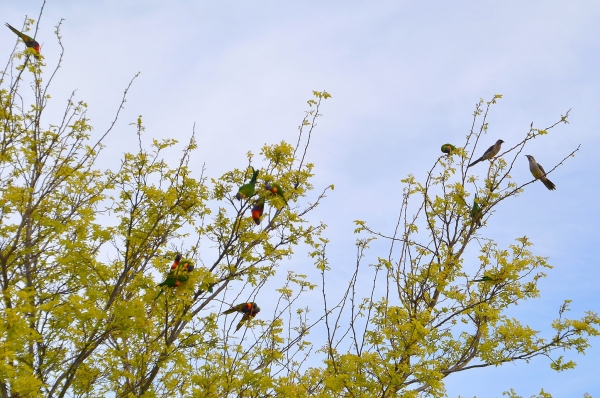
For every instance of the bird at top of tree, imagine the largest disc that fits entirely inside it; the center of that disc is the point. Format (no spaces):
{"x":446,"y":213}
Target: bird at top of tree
{"x":448,"y":148}
{"x":247,"y":190}
{"x":28,"y":40}
{"x":276,"y":189}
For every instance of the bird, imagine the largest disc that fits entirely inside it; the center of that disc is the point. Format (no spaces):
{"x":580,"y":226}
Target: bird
{"x":257,"y":210}
{"x":248,"y":309}
{"x":247,"y":190}
{"x":538,"y":172}
{"x":448,"y":148}
{"x":490,"y":153}
{"x":29,"y":41}
{"x":276,"y":189}
{"x":177,"y":275}
{"x":476,"y":213}
{"x":499,"y":278}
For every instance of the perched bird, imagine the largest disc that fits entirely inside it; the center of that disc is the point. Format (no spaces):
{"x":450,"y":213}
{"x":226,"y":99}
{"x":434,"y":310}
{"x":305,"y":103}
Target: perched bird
{"x":276,"y":189}
{"x":448,"y":148}
{"x":476,"y":213}
{"x":484,"y":279}
{"x":494,"y":279}
{"x":490,"y":153}
{"x":248,"y":309}
{"x":29,"y":41}
{"x":257,"y":210}
{"x":179,"y":274}
{"x":538,"y":172}
{"x":247,"y":190}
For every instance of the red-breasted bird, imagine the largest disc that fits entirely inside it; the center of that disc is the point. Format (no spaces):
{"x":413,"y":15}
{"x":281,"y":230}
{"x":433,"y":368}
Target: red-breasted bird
{"x":248,"y":309}
{"x":247,"y":190}
{"x":539,"y":173}
{"x":179,"y":274}
{"x":276,"y":189}
{"x":29,"y":41}
{"x":257,"y":210}
{"x":448,"y":148}
{"x":490,"y":153}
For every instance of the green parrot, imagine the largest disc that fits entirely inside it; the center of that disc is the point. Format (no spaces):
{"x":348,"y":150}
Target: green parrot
{"x":29,"y":41}
{"x":276,"y":189}
{"x":448,"y":148}
{"x":494,"y":279}
{"x":247,"y":190}
{"x":476,"y":213}
{"x":490,"y":153}
{"x":248,"y":309}
{"x":257,"y":210}
{"x":177,"y":275}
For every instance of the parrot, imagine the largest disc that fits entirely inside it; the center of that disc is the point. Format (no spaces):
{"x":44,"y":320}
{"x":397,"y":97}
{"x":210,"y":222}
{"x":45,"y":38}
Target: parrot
{"x":248,"y":309}
{"x":257,"y":210}
{"x":476,"y":213}
{"x":276,"y":189}
{"x":490,"y":153}
{"x":487,"y":278}
{"x":29,"y":42}
{"x":484,"y":279}
{"x":539,"y":173}
{"x":177,"y":275}
{"x":448,"y":148}
{"x":247,"y":190}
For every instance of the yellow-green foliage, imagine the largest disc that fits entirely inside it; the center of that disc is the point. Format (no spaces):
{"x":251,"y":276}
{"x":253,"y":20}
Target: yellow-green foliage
{"x":83,"y":250}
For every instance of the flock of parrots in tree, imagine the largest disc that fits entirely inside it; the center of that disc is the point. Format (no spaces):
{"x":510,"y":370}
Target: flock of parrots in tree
{"x":179,"y":273}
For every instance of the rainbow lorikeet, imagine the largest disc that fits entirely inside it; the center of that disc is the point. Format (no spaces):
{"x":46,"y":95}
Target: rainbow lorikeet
{"x":276,"y":189}
{"x":495,"y":279}
{"x":177,"y":275}
{"x":247,"y":190}
{"x":29,"y":41}
{"x":448,"y":148}
{"x":257,"y":210}
{"x":248,"y":309}
{"x":476,"y":213}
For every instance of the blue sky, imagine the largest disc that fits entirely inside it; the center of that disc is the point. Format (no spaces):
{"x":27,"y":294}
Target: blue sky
{"x":404,"y":76}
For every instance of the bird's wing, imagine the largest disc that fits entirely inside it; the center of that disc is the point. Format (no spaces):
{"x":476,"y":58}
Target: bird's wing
{"x":542,"y":169}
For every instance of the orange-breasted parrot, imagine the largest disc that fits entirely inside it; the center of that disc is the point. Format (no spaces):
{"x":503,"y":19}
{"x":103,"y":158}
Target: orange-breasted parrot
{"x":539,"y":173}
{"x":29,"y":41}
{"x":179,"y":274}
{"x":248,"y":309}
{"x":257,"y":210}
{"x":247,"y":190}
{"x":448,"y":148}
{"x":476,"y":213}
{"x":490,"y":153}
{"x":276,"y":189}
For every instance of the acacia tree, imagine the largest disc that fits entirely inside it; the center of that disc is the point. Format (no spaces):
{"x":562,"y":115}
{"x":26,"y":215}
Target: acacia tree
{"x":82,"y":249}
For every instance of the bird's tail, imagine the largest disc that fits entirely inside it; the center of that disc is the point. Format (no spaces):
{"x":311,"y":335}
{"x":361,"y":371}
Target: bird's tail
{"x":159,"y":293}
{"x":475,"y":162}
{"x":13,"y":29}
{"x":549,"y":184}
